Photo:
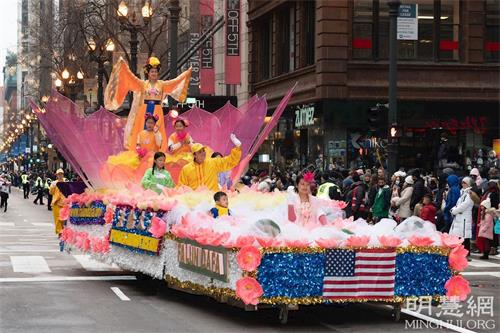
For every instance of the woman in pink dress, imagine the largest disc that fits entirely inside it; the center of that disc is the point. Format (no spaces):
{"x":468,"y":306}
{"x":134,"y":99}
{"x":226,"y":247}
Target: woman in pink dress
{"x":303,"y":207}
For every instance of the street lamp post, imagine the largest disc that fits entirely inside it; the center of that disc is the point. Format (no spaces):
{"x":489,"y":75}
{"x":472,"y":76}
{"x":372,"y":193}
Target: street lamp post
{"x":393,"y":106}
{"x":101,"y":53}
{"x":174,"y":9}
{"x":133,"y":27}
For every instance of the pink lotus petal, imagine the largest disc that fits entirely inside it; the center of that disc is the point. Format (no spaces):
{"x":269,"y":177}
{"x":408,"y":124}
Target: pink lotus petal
{"x":389,"y":241}
{"x":242,"y":241}
{"x":358,"y":241}
{"x":327,"y":243}
{"x":451,"y":241}
{"x":420,"y":241}
{"x":297,"y":242}
{"x":158,"y":227}
{"x":268,"y":242}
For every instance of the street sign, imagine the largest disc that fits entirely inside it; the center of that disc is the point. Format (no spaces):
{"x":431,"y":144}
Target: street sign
{"x":408,"y":22}
{"x":27,"y":150}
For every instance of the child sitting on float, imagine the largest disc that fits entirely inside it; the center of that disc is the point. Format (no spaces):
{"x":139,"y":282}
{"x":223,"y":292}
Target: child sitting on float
{"x":180,"y":141}
{"x":149,"y":139}
{"x":221,"y":205}
{"x":157,"y":178}
{"x":303,"y":207}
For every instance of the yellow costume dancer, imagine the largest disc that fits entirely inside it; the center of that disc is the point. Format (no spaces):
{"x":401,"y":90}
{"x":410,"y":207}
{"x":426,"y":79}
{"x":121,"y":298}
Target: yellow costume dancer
{"x":148,"y":97}
{"x":57,"y":200}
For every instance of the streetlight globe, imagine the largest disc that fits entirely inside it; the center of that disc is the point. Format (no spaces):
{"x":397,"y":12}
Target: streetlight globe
{"x":110,"y":46}
{"x":58,"y":83}
{"x":147,"y":10}
{"x":92,"y":45}
{"x":79,"y":75}
{"x":65,"y":74}
{"x":122,"y":9}
{"x":23,"y":121}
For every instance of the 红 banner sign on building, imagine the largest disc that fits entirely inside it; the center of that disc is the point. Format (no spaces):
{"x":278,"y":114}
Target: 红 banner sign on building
{"x":207,"y":71}
{"x":408,"y":22}
{"x":232,"y":41}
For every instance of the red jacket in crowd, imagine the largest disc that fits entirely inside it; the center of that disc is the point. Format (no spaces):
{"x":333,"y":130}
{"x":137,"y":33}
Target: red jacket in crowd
{"x":428,"y":213}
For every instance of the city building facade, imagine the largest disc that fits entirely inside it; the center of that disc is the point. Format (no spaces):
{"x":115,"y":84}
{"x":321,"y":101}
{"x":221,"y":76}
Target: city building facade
{"x":338,"y":53}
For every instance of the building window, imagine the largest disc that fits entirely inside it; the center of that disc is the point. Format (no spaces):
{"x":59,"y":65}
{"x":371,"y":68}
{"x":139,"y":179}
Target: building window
{"x":438,"y":31}
{"x":264,"y":49}
{"x":449,"y":30}
{"x":285,"y":39}
{"x":362,"y":28}
{"x":492,"y":38}
{"x":309,"y":29}
{"x":24,"y":17}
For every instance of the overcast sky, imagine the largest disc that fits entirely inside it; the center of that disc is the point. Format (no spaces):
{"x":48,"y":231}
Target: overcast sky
{"x":8,"y":30}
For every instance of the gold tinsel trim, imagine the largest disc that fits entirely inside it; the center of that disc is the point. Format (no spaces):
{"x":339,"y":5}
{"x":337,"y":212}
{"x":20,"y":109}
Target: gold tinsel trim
{"x":444,"y":251}
{"x":215,"y":292}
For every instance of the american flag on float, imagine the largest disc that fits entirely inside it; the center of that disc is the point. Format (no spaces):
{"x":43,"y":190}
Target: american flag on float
{"x":367,"y":273}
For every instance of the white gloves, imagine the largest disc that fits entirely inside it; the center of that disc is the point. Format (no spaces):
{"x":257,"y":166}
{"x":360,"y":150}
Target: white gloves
{"x":235,"y":140}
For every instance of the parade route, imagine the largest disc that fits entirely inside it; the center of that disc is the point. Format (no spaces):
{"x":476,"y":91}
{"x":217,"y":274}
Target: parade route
{"x":44,"y":290}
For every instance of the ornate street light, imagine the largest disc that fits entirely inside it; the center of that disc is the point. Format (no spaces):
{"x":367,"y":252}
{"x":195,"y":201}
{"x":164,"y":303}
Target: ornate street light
{"x":65,"y":74}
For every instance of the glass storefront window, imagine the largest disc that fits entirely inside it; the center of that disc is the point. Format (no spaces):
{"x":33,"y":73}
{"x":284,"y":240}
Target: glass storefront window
{"x":449,"y":33}
{"x":362,"y":29}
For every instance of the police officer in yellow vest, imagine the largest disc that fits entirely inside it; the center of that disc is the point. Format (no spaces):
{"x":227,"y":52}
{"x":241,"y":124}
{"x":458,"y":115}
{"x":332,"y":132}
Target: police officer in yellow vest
{"x":25,"y":181}
{"x":329,"y":190}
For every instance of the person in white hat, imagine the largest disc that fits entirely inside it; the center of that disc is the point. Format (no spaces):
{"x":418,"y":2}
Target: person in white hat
{"x":462,"y":214}
{"x":487,"y":215}
{"x":402,"y":202}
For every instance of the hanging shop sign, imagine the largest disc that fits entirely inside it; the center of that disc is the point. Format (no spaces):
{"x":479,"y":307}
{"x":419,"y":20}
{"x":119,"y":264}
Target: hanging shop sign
{"x":304,"y":116}
{"x":206,"y":260}
{"x":408,"y":22}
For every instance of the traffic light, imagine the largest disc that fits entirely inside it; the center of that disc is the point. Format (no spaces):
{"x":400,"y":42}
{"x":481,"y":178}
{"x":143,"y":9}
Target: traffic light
{"x":373,"y":118}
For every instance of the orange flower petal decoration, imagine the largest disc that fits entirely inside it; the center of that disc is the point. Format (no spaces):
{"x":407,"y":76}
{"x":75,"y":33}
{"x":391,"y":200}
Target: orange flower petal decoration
{"x":249,"y":290}
{"x":327,"y":243}
{"x":389,"y":241}
{"x":249,"y":258}
{"x":451,"y":241}
{"x":458,"y":258}
{"x":457,"y":286}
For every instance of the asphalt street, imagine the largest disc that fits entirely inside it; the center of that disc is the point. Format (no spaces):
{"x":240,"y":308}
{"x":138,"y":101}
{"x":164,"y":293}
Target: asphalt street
{"x":44,"y":290}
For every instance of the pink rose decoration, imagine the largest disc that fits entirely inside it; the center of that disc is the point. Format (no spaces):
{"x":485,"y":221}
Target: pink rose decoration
{"x":158,"y":227}
{"x":420,"y":241}
{"x":327,"y":243}
{"x":85,"y":244}
{"x":389,"y":241}
{"x":216,"y":239}
{"x":297,"y":242}
{"x":108,"y":216}
{"x":357,"y":241}
{"x":268,"y":242}
{"x":457,"y":286}
{"x":249,"y":290}
{"x":248,"y":258}
{"x":458,"y":258}
{"x":451,"y":241}
{"x":64,"y":213}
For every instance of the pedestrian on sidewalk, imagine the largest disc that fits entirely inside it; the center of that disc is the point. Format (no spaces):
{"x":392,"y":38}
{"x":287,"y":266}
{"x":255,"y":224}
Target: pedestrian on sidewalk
{"x":25,"y":181}
{"x":46,"y":186}
{"x":4,"y":194}
{"x":39,"y":188}
{"x":462,"y":214}
{"x":382,"y":201}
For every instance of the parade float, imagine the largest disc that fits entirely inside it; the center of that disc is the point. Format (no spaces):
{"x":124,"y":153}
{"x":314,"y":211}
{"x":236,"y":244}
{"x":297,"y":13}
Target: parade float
{"x":256,"y":257}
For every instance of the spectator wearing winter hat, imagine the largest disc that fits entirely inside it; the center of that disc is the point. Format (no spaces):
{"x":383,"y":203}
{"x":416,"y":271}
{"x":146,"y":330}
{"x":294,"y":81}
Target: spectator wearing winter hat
{"x":402,"y":202}
{"x":462,"y":214}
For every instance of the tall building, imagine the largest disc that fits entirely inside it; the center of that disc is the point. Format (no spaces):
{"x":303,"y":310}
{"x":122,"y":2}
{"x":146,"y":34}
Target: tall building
{"x":338,"y":53}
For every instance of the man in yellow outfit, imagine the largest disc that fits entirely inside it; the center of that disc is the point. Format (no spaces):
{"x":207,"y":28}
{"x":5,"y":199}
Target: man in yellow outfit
{"x":57,"y":200}
{"x":204,"y":171}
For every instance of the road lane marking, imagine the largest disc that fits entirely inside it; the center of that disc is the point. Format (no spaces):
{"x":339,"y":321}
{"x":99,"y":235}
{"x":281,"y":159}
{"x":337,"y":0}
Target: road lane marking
{"x":42,"y":224}
{"x":497,"y":274}
{"x":120,"y":294}
{"x":70,"y":278}
{"x":27,"y":251}
{"x":480,"y":263}
{"x":92,"y":265}
{"x":7,"y":224}
{"x":29,"y":264}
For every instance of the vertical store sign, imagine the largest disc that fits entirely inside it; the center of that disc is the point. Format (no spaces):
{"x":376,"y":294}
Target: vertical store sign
{"x":408,"y":22}
{"x":194,"y":35}
{"x":233,"y":27}
{"x":207,"y":71}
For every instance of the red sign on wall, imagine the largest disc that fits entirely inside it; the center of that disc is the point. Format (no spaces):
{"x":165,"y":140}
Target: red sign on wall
{"x":477,"y":124}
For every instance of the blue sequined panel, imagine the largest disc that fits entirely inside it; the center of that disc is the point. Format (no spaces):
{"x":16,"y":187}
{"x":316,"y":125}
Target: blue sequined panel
{"x":421,"y":274}
{"x":292,"y":274}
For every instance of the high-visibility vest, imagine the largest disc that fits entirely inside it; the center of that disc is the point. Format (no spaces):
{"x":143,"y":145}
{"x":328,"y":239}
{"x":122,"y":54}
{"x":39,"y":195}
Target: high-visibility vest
{"x":24,"y":179}
{"x":324,"y":190}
